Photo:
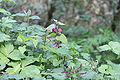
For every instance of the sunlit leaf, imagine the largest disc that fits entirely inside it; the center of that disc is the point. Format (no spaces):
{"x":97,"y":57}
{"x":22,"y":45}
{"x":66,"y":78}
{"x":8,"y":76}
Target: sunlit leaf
{"x":115,"y":47}
{"x":22,"y":49}
{"x":4,"y":37}
{"x":104,"y":48}
{"x":50,"y":27}
{"x":34,"y":17}
{"x":12,"y":1}
{"x":4,"y":11}
{"x":106,"y":69}
{"x":6,"y":49}
{"x":62,"y":38}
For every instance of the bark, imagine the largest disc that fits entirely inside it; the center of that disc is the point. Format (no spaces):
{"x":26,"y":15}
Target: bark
{"x":50,"y":14}
{"x":116,"y":20}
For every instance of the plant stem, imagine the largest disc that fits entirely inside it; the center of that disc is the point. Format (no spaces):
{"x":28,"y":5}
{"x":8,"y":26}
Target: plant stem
{"x":45,"y":38}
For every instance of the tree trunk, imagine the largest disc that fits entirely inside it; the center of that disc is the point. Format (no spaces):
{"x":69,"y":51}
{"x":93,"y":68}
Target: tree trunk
{"x":116,"y":20}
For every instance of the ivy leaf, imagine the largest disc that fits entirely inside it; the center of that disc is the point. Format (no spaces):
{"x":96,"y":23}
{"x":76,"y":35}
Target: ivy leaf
{"x":115,"y":68}
{"x":62,"y":38}
{"x":115,"y":47}
{"x":105,"y":69}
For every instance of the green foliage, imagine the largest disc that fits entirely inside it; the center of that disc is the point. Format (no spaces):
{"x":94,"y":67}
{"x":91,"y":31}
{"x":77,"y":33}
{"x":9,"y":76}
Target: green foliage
{"x":113,"y":46}
{"x":105,"y":69}
{"x":12,"y":1}
{"x":62,"y":38}
{"x":31,"y":52}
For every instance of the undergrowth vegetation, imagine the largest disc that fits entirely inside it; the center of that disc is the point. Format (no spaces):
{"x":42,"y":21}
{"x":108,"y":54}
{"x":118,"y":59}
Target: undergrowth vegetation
{"x":31,"y":52}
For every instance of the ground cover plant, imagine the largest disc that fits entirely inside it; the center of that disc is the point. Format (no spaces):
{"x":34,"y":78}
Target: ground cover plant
{"x":32,"y":52}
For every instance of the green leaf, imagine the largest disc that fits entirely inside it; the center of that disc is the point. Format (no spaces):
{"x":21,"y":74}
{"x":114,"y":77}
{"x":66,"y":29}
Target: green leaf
{"x":104,"y":48}
{"x":16,"y":55}
{"x":34,"y":17}
{"x":14,"y":70}
{"x":3,"y":59}
{"x":29,"y":13}
{"x":85,"y":56}
{"x":28,"y":61}
{"x":53,"y":34}
{"x":59,"y":23}
{"x":58,"y":70}
{"x":115,"y":47}
{"x":71,"y":64}
{"x":21,"y":37}
{"x":23,"y":26}
{"x":90,"y":75}
{"x":62,"y":51}
{"x":4,"y":11}
{"x":2,"y":67}
{"x":12,"y":1}
{"x":6,"y":49}
{"x":22,"y":49}
{"x":7,"y":21}
{"x":106,"y":69}
{"x":58,"y":76}
{"x":29,"y":70}
{"x":56,"y":62}
{"x":62,"y":38}
{"x":82,"y":61}
{"x":115,"y":68}
{"x":38,"y":78}
{"x":12,"y":76}
{"x":13,"y":63}
{"x":50,"y":27}
{"x":4,"y":37}
{"x":35,"y":42}
{"x":19,"y":14}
